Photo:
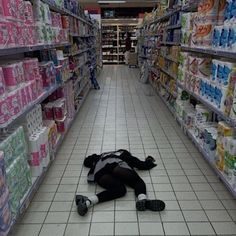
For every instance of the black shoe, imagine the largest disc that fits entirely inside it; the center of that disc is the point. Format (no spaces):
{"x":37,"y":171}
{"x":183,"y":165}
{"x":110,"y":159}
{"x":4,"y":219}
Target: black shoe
{"x":141,"y":205}
{"x":155,"y":205}
{"x":80,"y":201}
{"x":152,"y":205}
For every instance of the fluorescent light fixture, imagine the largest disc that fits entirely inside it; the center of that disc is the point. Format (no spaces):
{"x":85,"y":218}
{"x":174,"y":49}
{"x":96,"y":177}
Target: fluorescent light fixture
{"x":110,"y":1}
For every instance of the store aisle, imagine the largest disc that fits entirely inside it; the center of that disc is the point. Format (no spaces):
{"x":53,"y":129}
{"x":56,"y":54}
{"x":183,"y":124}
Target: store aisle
{"x":121,"y":115}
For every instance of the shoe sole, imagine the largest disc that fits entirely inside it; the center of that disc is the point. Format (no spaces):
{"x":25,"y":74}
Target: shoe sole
{"x":140,"y":206}
{"x":155,"y":205}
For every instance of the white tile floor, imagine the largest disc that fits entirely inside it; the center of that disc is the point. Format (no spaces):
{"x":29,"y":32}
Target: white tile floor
{"x":123,"y":115}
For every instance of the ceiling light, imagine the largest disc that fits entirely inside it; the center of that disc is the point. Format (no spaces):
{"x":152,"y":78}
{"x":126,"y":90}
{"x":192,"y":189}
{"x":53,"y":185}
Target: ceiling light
{"x":110,"y":1}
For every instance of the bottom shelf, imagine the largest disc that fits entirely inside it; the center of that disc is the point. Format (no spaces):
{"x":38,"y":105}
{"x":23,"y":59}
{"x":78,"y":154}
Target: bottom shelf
{"x":206,"y":156}
{"x":36,"y":181}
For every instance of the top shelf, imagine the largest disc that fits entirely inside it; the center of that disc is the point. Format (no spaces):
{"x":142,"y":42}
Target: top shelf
{"x":54,"y":7}
{"x":212,"y":52}
{"x":11,"y":51}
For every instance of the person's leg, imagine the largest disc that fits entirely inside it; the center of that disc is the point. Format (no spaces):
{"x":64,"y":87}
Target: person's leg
{"x":132,"y":179}
{"x":114,"y":189}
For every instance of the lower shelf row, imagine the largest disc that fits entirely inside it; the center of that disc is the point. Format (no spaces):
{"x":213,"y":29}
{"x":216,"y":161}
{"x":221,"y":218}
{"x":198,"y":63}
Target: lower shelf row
{"x":29,"y":147}
{"x":214,"y":139}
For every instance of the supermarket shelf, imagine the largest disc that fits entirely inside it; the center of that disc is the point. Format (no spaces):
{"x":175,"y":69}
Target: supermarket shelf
{"x":231,"y":55}
{"x":170,"y":43}
{"x":11,"y":51}
{"x":109,"y":46}
{"x":31,"y":106}
{"x":230,"y":121}
{"x":207,"y":158}
{"x":191,"y":6}
{"x":36,"y":181}
{"x":166,"y":103}
{"x":77,"y":53}
{"x":165,"y":16}
{"x":106,"y":61}
{"x":54,"y":7}
{"x":168,"y":73}
{"x":171,"y":59}
{"x":79,"y":66}
{"x":200,"y":148}
{"x":173,"y":27}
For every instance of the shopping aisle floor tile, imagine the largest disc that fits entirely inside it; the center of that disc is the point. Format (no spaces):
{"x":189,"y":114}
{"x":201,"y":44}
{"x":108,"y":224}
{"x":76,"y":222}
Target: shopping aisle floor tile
{"x":123,"y":115}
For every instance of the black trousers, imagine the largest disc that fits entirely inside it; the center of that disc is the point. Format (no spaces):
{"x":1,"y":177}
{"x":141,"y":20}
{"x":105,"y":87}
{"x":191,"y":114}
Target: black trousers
{"x":115,"y":182}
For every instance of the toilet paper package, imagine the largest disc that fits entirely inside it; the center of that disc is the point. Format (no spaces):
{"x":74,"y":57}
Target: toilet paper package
{"x":28,"y":13}
{"x":44,"y":146}
{"x":10,"y":9}
{"x":2,"y":83}
{"x":35,"y":160}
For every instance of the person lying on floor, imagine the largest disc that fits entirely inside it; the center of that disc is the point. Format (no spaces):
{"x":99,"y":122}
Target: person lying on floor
{"x":112,"y":171}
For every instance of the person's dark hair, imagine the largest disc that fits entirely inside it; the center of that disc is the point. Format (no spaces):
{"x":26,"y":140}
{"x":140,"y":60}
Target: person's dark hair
{"x":91,"y":160}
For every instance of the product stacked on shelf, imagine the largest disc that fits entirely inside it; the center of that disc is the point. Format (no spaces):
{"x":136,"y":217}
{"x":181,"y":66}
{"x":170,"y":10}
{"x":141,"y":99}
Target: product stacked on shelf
{"x":199,"y":90}
{"x":16,"y":172}
{"x":161,"y":47}
{"x":114,"y":42}
{"x":30,"y":133}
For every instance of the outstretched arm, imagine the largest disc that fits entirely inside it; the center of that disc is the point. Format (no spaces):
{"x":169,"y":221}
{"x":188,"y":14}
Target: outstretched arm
{"x":137,"y":163}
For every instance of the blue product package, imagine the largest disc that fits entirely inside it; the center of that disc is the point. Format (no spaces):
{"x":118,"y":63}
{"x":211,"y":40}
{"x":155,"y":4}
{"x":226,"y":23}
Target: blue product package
{"x":220,"y":70}
{"x":233,"y":10}
{"x":226,"y":74}
{"x":227,"y":13}
{"x":216,"y":36}
{"x":214,"y":69}
{"x":232,"y":38}
{"x":212,"y":92}
{"x":224,"y":38}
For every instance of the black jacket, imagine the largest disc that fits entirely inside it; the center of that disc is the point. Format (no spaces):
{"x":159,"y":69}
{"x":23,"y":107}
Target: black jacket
{"x":123,"y":155}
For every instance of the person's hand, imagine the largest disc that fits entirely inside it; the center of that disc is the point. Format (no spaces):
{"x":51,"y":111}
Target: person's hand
{"x":150,"y":162}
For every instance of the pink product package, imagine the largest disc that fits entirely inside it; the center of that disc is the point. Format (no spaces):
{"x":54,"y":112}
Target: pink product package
{"x":1,"y":9}
{"x":14,"y":103}
{"x":33,"y":86}
{"x":59,"y":109}
{"x":45,"y":73}
{"x":10,"y":9}
{"x":48,"y":111}
{"x":28,"y":93}
{"x":20,"y":10}
{"x":2,"y":83}
{"x":28,"y":13}
{"x":61,"y":125}
{"x":13,"y":34}
{"x":39,"y":84}
{"x":31,"y":68}
{"x":4,"y":111}
{"x":20,"y":71}
{"x":24,"y":100}
{"x":4,"y":36}
{"x":11,"y":76}
{"x":56,"y":20}
{"x":29,"y":35}
{"x":20,"y":33}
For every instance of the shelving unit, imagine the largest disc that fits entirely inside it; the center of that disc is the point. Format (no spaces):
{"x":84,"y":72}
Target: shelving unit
{"x":113,"y":45}
{"x":88,"y":46}
{"x":154,"y":52}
